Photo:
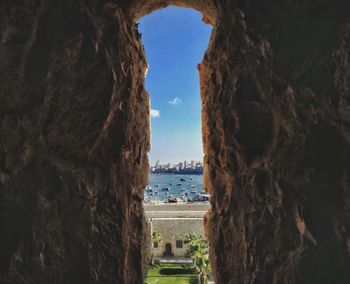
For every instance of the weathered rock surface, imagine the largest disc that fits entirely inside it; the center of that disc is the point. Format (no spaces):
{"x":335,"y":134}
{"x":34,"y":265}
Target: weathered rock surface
{"x":74,"y":141}
{"x":140,"y":8}
{"x":275,"y":91}
{"x":74,"y":136}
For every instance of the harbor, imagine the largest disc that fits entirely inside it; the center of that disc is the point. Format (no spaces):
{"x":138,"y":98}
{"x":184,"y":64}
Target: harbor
{"x":173,"y":188}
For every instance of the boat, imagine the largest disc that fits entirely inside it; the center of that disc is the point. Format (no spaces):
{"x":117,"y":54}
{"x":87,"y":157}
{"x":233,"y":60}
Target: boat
{"x":149,"y":189}
{"x":182,"y":179}
{"x":183,"y":189}
{"x":191,"y":178}
{"x":157,"y":185}
{"x":179,"y":184}
{"x":193,"y":190}
{"x":201,"y":198}
{"x":172,"y":199}
{"x":192,"y":185}
{"x":171,"y":183}
{"x":166,"y":188}
{"x":186,"y":194}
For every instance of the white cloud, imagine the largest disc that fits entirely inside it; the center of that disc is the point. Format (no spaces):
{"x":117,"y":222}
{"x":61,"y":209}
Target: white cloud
{"x":155,"y":113}
{"x":175,"y":101}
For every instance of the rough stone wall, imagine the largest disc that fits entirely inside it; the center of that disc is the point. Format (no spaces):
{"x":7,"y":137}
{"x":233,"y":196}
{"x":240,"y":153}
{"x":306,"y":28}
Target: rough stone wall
{"x":74,"y":123}
{"x":275,"y":92}
{"x":139,"y":8}
{"x":74,"y":136}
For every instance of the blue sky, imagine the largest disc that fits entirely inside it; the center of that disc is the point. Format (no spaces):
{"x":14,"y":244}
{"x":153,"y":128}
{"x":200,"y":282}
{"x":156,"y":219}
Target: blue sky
{"x":175,"y":40}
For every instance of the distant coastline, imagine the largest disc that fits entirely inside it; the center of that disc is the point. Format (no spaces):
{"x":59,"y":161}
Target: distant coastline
{"x":187,"y":171}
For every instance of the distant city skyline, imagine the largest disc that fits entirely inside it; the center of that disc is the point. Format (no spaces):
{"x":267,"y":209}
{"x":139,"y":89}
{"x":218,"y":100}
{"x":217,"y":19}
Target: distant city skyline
{"x":184,"y":162}
{"x":183,"y":167}
{"x":175,"y":40}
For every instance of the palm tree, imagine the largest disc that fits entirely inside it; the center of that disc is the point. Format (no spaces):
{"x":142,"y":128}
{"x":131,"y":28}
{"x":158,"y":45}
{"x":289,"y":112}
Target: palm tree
{"x":156,"y":239}
{"x":198,"y":250}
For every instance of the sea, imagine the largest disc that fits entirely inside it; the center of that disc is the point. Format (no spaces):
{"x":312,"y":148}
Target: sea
{"x":181,"y":186}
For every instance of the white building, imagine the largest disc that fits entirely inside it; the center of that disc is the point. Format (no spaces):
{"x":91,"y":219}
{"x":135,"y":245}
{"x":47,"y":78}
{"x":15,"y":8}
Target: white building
{"x":173,"y":222}
{"x":157,"y":164}
{"x":186,"y":164}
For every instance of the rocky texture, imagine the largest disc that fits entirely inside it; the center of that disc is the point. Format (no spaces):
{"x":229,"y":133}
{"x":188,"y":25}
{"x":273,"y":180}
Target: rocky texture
{"x":140,"y":8}
{"x":73,"y":143}
{"x":275,"y":91}
{"x":74,"y":126}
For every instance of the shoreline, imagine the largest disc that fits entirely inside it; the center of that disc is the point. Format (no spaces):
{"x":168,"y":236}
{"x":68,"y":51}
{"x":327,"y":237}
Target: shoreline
{"x":177,"y":174}
{"x":175,"y":207}
{"x":174,"y":204}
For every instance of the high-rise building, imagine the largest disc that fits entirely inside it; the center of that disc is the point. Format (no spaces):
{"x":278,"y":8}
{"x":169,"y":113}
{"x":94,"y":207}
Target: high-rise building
{"x":157,"y":164}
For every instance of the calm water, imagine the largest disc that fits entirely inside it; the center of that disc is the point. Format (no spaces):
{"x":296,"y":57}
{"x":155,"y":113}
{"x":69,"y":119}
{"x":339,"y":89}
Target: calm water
{"x":193,"y":184}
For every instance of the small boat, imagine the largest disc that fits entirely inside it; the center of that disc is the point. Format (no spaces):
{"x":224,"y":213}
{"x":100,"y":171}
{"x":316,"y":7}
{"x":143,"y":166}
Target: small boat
{"x":192,"y":185}
{"x":149,"y":189}
{"x":166,"y":188}
{"x":157,"y":185}
{"x":193,"y":190}
{"x":201,"y":198}
{"x":191,"y":178}
{"x":166,"y":193}
{"x":182,"y":179}
{"x":172,"y":199}
{"x":171,"y":183}
{"x":186,"y":194}
{"x":183,"y":189}
{"x":179,"y":184}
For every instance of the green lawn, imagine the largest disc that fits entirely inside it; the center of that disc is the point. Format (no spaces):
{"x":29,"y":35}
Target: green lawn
{"x":171,"y":274}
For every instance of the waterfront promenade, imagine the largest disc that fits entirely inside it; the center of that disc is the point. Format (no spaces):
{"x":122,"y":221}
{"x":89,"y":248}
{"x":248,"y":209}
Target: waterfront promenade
{"x":176,"y":207}
{"x":176,"y":210}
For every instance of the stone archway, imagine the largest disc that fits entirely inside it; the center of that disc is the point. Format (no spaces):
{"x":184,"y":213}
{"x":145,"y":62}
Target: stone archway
{"x":140,"y":8}
{"x":74,"y":141}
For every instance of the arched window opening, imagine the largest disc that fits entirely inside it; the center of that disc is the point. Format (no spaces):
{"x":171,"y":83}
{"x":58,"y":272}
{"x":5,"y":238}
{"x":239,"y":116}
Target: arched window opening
{"x":175,"y":201}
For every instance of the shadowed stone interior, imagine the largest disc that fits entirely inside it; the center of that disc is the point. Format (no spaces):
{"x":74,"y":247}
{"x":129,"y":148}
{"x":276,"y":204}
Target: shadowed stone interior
{"x":74,"y":137}
{"x":140,"y":8}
